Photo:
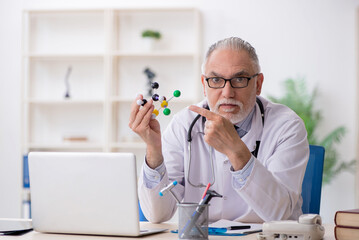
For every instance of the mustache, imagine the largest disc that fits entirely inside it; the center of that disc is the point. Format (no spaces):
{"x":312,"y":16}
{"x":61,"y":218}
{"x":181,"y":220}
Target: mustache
{"x":228,"y":101}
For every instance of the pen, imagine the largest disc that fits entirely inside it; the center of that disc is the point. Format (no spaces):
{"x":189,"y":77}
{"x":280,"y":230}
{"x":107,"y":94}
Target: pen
{"x":225,"y":229}
{"x":239,"y":227}
{"x":204,"y":200}
{"x":196,"y":214}
{"x":205,"y":191}
{"x":169,"y":189}
{"x":253,"y":231}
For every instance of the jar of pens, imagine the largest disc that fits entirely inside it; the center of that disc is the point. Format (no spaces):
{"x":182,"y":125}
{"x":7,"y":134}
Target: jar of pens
{"x":192,"y":217}
{"x":192,"y":221}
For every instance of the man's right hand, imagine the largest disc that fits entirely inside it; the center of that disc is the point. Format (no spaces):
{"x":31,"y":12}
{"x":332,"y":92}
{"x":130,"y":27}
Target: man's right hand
{"x":148,"y":129}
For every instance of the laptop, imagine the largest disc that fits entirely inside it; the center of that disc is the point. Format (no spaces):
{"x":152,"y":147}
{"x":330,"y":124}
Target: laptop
{"x":85,"y":193}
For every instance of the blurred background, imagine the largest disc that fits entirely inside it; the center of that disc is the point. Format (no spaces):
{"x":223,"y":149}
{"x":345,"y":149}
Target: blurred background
{"x":95,"y":51}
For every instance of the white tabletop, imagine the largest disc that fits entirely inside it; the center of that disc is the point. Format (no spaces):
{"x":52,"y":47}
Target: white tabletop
{"x":329,"y":234}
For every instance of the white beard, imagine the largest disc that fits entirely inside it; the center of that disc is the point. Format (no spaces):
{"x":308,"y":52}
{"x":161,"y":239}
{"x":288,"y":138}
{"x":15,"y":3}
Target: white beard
{"x":240,"y":115}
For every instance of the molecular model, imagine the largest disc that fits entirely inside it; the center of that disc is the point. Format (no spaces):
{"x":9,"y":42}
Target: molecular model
{"x":162,"y":99}
{"x":150,"y":76}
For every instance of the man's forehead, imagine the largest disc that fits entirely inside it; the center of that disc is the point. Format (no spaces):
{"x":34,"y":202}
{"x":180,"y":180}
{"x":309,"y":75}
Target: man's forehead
{"x":235,"y":61}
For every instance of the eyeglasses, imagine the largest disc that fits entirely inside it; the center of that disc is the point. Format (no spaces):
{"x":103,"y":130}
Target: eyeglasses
{"x":236,"y":82}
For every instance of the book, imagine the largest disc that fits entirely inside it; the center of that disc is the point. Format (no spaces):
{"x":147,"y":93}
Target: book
{"x":347,"y":218}
{"x":346,"y":233}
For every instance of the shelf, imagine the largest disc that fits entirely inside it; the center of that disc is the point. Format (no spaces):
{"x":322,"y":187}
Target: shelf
{"x":154,"y":54}
{"x":129,"y":101}
{"x":65,"y":102}
{"x":98,"y":56}
{"x":50,"y":56}
{"x":83,"y":77}
{"x":65,"y":145}
{"x":63,"y":11}
{"x":65,"y":31}
{"x":129,"y":145}
{"x":56,"y":56}
{"x":49,"y":123}
{"x":179,"y":29}
{"x":171,"y":73}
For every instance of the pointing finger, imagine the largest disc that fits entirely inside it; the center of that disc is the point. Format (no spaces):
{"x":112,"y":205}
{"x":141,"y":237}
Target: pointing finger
{"x":203,"y":112}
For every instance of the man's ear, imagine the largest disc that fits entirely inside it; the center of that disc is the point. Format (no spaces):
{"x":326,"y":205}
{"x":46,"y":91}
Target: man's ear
{"x":203,"y":85}
{"x":260,"y":79}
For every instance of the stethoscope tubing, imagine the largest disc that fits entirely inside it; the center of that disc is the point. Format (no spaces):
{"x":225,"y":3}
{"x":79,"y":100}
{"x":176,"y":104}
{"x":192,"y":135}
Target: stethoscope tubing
{"x":200,"y":185}
{"x":189,"y":141}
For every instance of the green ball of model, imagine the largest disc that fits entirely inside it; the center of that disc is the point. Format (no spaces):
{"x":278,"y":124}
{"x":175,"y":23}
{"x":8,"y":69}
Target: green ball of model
{"x":166,"y":111}
{"x":177,"y":93}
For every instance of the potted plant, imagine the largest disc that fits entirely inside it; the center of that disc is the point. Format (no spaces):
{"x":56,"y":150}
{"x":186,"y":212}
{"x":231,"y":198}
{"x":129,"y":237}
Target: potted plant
{"x":151,"y":37}
{"x":298,"y":98}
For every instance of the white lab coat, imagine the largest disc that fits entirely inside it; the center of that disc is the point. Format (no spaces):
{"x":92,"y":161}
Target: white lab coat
{"x":273,"y":189}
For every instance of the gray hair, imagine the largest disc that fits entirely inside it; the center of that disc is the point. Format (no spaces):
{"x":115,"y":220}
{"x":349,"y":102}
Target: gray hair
{"x":236,"y":44}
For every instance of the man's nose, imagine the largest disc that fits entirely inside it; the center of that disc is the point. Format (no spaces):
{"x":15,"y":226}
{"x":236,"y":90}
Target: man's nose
{"x":228,"y":91}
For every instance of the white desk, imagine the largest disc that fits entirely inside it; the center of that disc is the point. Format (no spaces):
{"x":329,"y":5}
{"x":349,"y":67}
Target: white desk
{"x":329,"y":235}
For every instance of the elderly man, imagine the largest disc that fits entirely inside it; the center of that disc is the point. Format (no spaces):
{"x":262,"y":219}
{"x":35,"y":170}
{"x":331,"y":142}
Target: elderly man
{"x":252,"y":151}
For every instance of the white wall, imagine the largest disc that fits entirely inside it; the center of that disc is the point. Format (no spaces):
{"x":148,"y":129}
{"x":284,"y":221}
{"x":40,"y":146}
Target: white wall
{"x":314,"y":39}
{"x":311,"y":39}
{"x":10,"y":108}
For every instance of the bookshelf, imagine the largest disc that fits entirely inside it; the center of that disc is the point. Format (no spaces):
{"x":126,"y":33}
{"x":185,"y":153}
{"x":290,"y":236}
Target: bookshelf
{"x":101,"y":56}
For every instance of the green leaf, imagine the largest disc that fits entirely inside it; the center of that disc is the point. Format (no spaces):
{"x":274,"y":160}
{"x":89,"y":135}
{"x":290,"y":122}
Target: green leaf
{"x":151,"y":34}
{"x":333,"y":137}
{"x":300,"y":100}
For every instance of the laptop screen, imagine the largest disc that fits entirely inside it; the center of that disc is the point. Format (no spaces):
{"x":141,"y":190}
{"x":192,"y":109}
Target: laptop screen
{"x":89,"y":193}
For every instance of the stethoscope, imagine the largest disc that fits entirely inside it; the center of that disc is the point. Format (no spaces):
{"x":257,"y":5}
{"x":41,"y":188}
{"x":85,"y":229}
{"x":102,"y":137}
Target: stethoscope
{"x":189,"y":140}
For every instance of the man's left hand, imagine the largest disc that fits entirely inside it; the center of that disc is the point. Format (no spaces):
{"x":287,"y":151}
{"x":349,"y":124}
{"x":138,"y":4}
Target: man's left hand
{"x":220,"y":133}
